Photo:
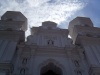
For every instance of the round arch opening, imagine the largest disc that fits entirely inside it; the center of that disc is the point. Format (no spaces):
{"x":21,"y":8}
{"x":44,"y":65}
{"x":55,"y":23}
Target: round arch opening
{"x":50,"y":69}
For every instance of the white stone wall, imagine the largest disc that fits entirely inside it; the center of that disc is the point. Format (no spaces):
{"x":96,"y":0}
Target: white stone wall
{"x":7,"y":50}
{"x":48,"y":44}
{"x":42,"y":38}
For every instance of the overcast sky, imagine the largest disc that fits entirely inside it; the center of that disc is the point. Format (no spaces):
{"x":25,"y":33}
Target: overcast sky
{"x":59,"y":11}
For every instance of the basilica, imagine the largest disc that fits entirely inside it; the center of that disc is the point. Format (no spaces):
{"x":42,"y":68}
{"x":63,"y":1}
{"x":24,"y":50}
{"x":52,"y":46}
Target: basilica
{"x":48,"y":50}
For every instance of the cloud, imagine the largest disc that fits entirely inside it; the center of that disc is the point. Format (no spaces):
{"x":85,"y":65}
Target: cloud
{"x":38,"y":11}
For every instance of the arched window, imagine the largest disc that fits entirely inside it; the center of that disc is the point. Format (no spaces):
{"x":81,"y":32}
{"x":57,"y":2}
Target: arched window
{"x":50,"y":42}
{"x":76,"y":63}
{"x":84,"y":53}
{"x":79,"y":73}
{"x":24,"y":61}
{"x":22,"y":71}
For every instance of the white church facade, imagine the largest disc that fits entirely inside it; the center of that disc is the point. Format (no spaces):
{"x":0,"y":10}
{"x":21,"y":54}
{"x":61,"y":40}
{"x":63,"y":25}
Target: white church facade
{"x":48,"y":50}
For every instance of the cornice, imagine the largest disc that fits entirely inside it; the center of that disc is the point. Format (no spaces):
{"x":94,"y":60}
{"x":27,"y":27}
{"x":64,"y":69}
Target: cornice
{"x":79,"y":39}
{"x":17,"y":35}
{"x":50,"y":31}
{"x":50,"y":50}
{"x":94,"y":70}
{"x":8,"y":67}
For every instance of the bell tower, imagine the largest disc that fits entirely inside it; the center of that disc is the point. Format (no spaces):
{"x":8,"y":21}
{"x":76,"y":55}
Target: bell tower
{"x":13,"y":25}
{"x":78,"y":25}
{"x":87,"y":37}
{"x":13,"y":20}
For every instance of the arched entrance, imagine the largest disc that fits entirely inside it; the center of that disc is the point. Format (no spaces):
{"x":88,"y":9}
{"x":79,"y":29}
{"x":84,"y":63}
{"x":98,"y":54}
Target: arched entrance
{"x":50,"y":69}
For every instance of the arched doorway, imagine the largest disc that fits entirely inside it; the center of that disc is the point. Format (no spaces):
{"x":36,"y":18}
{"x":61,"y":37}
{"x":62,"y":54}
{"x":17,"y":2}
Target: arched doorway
{"x":50,"y":69}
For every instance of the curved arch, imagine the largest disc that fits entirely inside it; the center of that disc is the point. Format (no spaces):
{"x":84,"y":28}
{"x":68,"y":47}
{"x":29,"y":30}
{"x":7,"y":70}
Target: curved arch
{"x":53,"y":63}
{"x":51,"y":68}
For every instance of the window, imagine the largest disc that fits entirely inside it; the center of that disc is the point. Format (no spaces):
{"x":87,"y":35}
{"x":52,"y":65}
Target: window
{"x":78,"y":44}
{"x":89,"y":35}
{"x":50,"y":42}
{"x":49,"y":27}
{"x":24,"y":61}
{"x":22,"y":71}
{"x":85,"y":25}
{"x":76,"y":63}
{"x":79,"y":73}
{"x":84,"y":53}
{"x":9,"y":29}
{"x":9,"y":19}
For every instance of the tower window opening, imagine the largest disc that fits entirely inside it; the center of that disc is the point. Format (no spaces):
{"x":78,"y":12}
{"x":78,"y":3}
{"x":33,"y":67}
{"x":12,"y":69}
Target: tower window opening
{"x":85,"y":25}
{"x":9,"y":29}
{"x":9,"y":19}
{"x":49,"y":28}
{"x":89,"y":35}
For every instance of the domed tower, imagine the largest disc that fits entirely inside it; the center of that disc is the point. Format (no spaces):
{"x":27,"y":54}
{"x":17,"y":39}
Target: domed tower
{"x":88,"y":37}
{"x":12,"y":27}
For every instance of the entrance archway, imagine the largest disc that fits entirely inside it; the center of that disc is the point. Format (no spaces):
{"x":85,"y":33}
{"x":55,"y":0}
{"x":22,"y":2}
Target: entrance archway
{"x":50,"y":69}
